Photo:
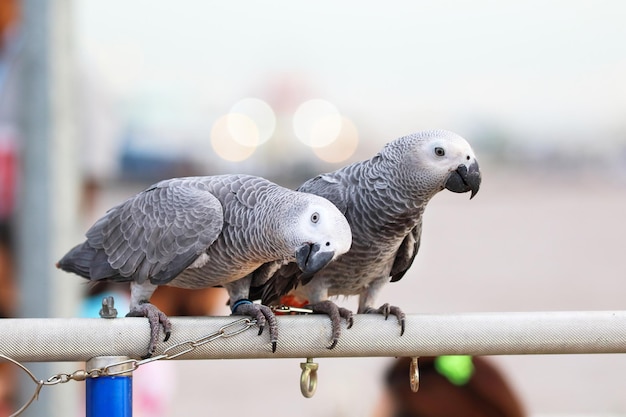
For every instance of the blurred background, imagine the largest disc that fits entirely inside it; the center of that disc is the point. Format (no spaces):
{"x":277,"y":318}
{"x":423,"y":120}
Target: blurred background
{"x":99,"y":99}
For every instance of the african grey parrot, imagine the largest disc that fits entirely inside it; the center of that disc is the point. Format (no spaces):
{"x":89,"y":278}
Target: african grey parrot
{"x":383,"y":199}
{"x":198,"y":232}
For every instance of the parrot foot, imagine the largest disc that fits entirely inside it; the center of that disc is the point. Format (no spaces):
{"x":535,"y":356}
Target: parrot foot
{"x":262,"y":314}
{"x":156,"y":318}
{"x":336,"y":314}
{"x":387,"y":310}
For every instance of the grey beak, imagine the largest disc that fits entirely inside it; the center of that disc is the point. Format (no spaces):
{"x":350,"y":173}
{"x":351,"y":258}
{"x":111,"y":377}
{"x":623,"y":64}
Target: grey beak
{"x":463,"y":179}
{"x":310,"y":260}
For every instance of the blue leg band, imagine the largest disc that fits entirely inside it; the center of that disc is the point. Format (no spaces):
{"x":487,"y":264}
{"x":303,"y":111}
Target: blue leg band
{"x":240,"y":302}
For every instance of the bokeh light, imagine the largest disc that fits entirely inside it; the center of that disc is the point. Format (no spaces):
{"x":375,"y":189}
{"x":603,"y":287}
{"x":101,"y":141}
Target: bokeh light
{"x":242,"y":130}
{"x":224,"y":143}
{"x":257,"y":112}
{"x":343,"y":147}
{"x":317,"y":123}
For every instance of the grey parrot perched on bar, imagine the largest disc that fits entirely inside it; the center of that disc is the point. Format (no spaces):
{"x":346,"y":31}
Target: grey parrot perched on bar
{"x":198,"y":232}
{"x":384,"y":199}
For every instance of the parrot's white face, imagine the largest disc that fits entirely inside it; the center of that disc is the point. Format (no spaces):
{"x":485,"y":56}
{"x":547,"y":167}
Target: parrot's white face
{"x":440,"y":159}
{"x":321,"y":222}
{"x":445,"y":152}
{"x":322,"y":234}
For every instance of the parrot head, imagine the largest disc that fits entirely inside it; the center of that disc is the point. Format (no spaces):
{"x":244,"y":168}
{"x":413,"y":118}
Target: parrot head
{"x":439,"y":159}
{"x":322,"y":234}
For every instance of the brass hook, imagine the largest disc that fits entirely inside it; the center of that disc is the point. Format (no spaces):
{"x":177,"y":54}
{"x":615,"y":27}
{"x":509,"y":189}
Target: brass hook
{"x":414,"y":374}
{"x":308,"y":379}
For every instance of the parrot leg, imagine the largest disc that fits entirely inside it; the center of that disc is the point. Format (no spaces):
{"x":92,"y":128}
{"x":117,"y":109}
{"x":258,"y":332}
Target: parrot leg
{"x":336,"y":314}
{"x":262,"y":314}
{"x":141,"y":307}
{"x":156,"y":318}
{"x":387,"y":310}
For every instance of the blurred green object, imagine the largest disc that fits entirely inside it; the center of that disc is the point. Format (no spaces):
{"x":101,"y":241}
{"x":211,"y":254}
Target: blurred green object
{"x":458,"y":369}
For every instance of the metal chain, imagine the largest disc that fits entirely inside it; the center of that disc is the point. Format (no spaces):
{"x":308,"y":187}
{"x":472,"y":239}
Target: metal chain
{"x":122,"y":367}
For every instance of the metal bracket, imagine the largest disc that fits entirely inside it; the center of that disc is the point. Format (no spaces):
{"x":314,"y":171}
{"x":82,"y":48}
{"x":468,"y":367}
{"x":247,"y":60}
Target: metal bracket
{"x":308,"y":379}
{"x":108,"y":310}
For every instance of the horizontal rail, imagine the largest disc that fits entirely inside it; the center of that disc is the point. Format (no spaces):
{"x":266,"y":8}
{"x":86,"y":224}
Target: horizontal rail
{"x":46,"y":340}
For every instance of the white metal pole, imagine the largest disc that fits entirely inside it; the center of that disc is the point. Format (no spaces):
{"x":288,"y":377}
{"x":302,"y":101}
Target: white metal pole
{"x":309,"y":336}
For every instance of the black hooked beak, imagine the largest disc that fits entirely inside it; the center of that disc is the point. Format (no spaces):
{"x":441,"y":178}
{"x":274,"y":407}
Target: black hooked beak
{"x":310,"y":260}
{"x":463,"y":179}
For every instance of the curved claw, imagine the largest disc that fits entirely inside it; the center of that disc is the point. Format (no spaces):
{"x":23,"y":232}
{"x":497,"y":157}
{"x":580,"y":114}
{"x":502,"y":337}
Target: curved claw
{"x":386,"y":310}
{"x":350,"y":321}
{"x":263,"y":315}
{"x":156,"y":318}
{"x":336,"y":314}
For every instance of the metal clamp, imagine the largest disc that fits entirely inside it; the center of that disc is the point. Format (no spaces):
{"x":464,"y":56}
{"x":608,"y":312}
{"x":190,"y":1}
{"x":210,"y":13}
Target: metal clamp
{"x":108,"y":310}
{"x":285,"y":309}
{"x":308,"y":379}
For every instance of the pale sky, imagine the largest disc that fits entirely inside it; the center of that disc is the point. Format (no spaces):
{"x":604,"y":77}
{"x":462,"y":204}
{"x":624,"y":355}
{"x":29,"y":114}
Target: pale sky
{"x":543,"y":70}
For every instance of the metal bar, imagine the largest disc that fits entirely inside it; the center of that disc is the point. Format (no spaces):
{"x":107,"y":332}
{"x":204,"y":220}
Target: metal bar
{"x":31,"y":340}
{"x":108,"y":396}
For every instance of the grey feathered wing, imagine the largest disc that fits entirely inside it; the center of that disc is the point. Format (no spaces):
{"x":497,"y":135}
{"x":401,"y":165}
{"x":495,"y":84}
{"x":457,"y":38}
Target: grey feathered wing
{"x":330,"y":186}
{"x":406,"y":253}
{"x":154,"y":235}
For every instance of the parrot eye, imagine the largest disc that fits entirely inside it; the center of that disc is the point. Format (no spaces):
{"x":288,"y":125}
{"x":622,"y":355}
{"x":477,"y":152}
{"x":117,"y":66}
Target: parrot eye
{"x":315,"y":217}
{"x":439,"y":151}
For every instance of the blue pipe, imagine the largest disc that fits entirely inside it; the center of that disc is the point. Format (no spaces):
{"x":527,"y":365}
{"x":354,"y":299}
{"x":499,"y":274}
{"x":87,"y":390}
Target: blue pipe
{"x":109,"y":396}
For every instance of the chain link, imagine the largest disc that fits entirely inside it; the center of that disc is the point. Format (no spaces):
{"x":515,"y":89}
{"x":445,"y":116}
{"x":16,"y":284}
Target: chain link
{"x":131,"y":365}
